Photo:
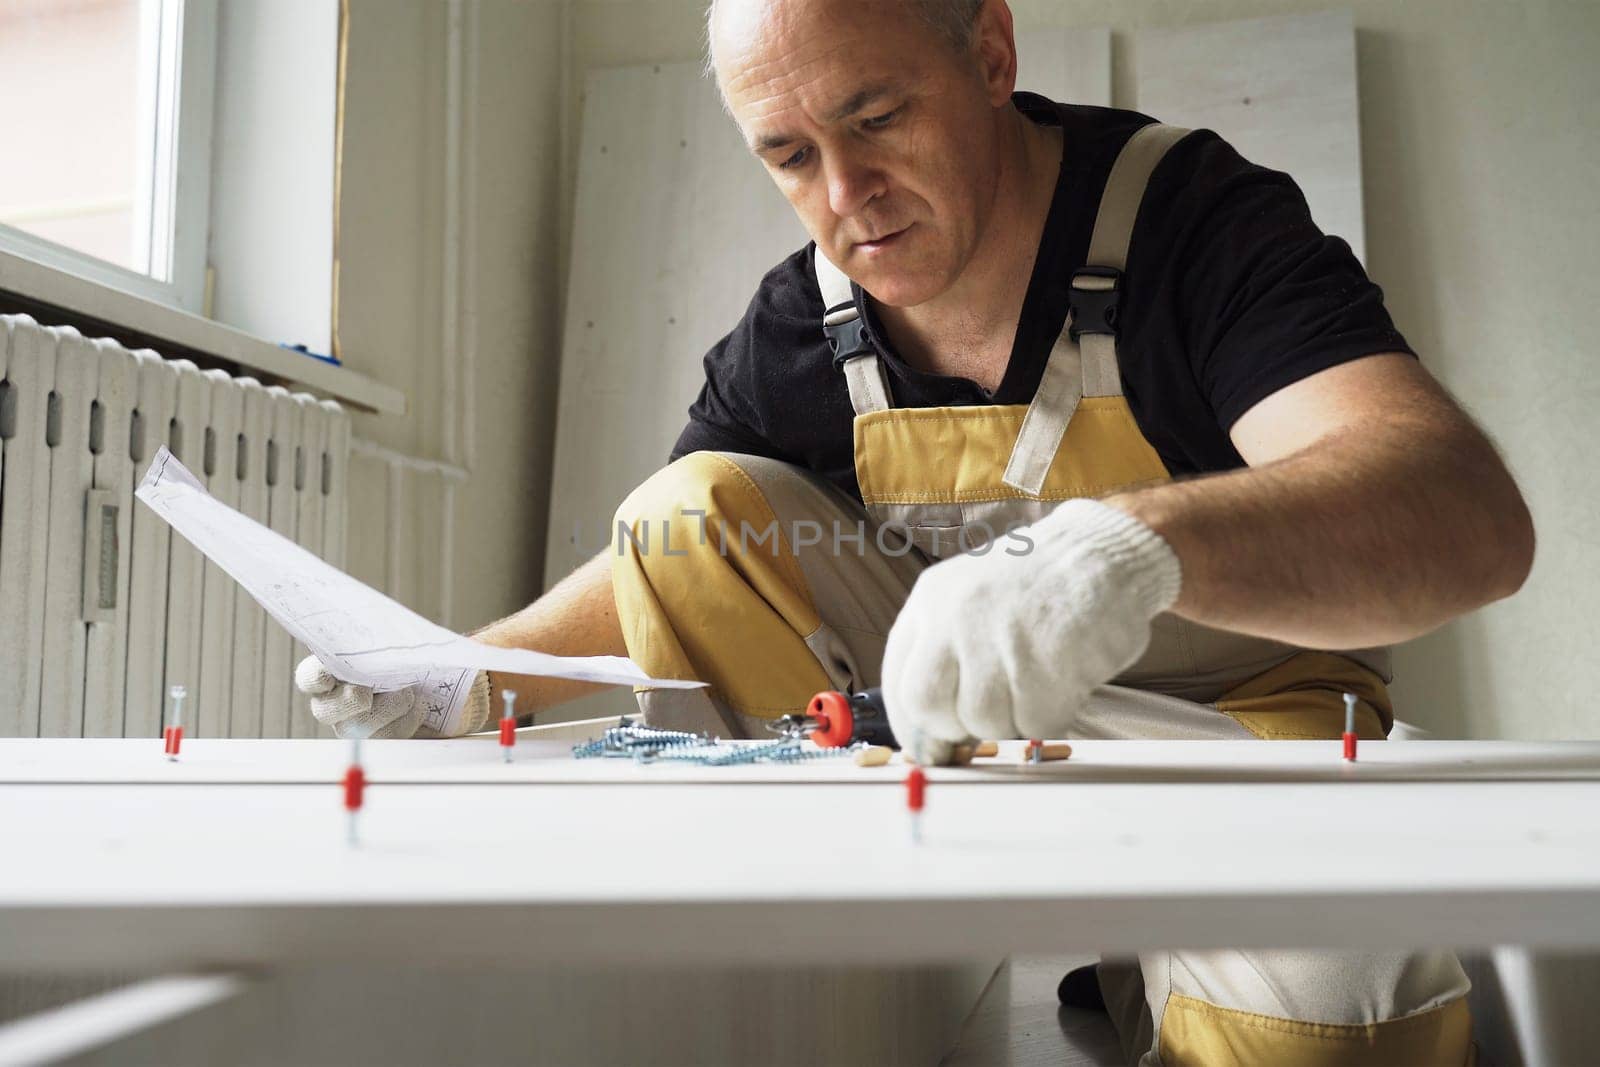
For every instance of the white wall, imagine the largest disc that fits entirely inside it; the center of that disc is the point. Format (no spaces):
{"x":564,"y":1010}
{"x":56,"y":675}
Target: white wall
{"x":1479,"y":151}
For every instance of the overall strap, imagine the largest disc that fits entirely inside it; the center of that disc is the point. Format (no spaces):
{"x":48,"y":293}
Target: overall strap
{"x":1084,"y":359}
{"x":847,"y":336}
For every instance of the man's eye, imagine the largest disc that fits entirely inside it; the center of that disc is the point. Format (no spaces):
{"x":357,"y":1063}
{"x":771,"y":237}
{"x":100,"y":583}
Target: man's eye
{"x":795,"y":160}
{"x":878,"y":122}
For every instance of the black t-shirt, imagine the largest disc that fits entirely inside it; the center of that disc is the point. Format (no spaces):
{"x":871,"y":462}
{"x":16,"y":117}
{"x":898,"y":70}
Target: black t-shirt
{"x":1230,"y":293}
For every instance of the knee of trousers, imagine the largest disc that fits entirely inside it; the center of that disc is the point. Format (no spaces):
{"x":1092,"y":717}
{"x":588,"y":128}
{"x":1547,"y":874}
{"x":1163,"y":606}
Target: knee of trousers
{"x":708,"y":586}
{"x":1321,"y":1009}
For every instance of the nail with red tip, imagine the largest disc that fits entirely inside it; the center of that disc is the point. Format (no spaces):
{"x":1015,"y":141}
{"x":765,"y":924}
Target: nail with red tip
{"x":172,"y":736}
{"x":355,"y":785}
{"x":1350,"y":727}
{"x":916,"y":797}
{"x":508,"y":723}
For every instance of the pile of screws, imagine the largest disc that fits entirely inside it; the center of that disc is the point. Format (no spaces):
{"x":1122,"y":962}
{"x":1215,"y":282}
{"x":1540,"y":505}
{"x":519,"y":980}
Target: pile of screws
{"x":646,"y":745}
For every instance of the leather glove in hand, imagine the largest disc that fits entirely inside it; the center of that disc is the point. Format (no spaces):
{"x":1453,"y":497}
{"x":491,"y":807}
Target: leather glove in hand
{"x":1010,"y":643}
{"x":356,"y":711}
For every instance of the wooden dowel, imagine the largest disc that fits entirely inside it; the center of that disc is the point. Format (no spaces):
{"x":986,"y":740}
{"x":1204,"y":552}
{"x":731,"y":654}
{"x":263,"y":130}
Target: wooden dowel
{"x":873,"y":756}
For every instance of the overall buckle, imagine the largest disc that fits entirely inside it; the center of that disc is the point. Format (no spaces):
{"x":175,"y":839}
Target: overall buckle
{"x":848,"y":339}
{"x":1093,"y":299}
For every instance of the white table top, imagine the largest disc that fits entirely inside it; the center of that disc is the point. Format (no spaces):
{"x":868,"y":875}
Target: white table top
{"x":1128,"y":845}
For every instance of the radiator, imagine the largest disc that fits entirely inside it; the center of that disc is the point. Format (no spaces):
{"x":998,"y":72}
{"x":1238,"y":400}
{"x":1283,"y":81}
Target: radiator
{"x":101,"y":608}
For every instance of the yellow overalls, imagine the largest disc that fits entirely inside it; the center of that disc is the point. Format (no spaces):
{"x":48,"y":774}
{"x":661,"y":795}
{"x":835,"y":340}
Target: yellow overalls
{"x":770,"y":584}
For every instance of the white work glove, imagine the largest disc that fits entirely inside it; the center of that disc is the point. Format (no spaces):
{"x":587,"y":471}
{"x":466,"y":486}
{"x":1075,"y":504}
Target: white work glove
{"x":356,"y":711}
{"x":1009,"y":644}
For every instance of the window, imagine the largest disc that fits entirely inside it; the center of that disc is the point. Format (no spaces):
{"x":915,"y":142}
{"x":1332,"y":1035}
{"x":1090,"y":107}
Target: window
{"x":107,"y":140}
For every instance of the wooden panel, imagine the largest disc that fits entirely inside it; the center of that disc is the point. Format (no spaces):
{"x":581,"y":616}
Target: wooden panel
{"x":156,"y":404}
{"x":1038,"y":859}
{"x":543,"y":756}
{"x":1069,"y":65}
{"x":674,"y":226}
{"x":30,"y":361}
{"x":107,"y":638}
{"x":1281,"y":90}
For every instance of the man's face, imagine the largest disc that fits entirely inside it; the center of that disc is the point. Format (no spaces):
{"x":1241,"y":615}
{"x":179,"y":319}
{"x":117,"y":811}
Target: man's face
{"x":880,"y":134}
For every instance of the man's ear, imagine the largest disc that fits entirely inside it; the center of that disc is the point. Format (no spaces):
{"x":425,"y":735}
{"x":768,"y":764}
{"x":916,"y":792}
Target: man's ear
{"x":995,"y":46}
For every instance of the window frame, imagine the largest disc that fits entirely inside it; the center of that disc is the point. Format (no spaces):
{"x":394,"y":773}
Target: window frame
{"x":175,"y":117}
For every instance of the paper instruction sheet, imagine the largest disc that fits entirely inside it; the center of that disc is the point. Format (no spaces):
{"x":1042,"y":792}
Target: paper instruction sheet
{"x":358,"y":633}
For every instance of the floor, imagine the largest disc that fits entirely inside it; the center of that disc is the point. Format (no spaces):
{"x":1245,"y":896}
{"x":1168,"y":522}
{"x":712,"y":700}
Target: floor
{"x":1019,"y":1022}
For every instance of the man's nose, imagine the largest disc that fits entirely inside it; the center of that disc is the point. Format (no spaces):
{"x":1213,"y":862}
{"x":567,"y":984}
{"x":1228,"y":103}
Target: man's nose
{"x":852,"y":183}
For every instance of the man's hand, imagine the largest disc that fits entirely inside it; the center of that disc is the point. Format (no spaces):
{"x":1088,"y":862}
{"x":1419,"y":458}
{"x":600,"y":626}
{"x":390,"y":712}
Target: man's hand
{"x":356,"y":711}
{"x":1009,"y":643}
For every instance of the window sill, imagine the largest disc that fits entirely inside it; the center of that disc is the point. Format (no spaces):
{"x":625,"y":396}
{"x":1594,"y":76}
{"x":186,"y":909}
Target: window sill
{"x":138,"y":322}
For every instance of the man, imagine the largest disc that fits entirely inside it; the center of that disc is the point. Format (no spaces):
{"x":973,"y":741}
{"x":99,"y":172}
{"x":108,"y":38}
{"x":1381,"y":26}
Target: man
{"x":1201,"y":477}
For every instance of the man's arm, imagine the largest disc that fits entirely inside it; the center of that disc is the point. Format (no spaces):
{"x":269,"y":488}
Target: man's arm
{"x":578,"y":617}
{"x":1373,"y":510}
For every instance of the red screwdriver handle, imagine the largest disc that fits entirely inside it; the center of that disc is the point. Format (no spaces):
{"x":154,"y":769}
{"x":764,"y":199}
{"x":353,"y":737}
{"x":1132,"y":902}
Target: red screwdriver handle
{"x":844,"y":718}
{"x":835,"y":723}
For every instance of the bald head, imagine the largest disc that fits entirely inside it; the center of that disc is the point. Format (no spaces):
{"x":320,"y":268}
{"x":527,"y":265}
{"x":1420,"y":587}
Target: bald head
{"x":879,"y":120}
{"x":950,"y":19}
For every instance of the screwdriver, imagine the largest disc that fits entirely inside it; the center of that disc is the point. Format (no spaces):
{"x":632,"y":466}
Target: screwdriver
{"x":834,"y":719}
